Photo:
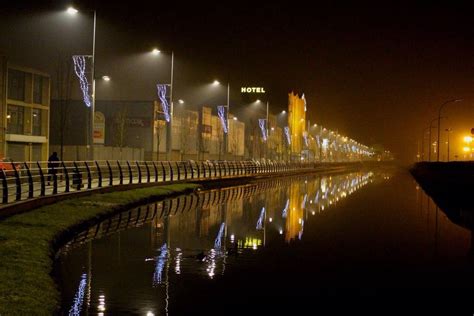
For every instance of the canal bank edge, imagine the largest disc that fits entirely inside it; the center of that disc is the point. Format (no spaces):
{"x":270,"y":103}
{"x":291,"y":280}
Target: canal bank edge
{"x":29,"y":242}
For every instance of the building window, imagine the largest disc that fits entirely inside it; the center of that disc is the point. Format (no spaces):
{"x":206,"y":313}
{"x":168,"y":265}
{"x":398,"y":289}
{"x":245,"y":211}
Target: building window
{"x":16,"y":85}
{"x":15,"y":118}
{"x":37,"y":89}
{"x":37,"y":122}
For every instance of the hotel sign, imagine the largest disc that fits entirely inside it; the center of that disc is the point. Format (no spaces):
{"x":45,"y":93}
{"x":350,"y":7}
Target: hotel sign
{"x":252,"y":90}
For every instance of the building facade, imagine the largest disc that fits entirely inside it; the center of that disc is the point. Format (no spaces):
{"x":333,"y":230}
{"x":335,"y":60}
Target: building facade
{"x":24,"y":106}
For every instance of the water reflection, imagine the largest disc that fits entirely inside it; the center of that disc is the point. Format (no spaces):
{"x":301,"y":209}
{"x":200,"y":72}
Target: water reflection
{"x":197,"y":234}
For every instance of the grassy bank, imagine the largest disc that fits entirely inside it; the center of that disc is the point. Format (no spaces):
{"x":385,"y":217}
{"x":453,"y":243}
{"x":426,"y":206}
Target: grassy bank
{"x":29,"y":241}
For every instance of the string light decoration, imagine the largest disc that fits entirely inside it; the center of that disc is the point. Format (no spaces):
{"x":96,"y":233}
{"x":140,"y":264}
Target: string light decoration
{"x":164,"y":103}
{"x":80,"y":70}
{"x":304,"y":100}
{"x":305,"y":137}
{"x":262,"y":123}
{"x":285,"y":210}
{"x":287,"y":134}
{"x":222,"y":117}
{"x":260,"y":219}
{"x":218,"y":241}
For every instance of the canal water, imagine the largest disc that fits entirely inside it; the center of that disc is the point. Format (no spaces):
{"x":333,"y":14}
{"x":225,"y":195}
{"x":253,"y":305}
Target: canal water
{"x":368,"y":241}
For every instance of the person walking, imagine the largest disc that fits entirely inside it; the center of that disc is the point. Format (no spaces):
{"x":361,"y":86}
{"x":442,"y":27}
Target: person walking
{"x":53,"y":164}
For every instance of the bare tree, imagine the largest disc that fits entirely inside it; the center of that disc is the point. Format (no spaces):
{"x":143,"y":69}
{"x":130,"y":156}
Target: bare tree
{"x":120,"y":127}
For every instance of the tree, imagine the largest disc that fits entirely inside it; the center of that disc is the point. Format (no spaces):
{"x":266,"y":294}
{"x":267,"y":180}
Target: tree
{"x":120,"y":127}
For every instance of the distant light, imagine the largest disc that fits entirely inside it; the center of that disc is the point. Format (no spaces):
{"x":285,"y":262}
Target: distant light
{"x":106,"y":78}
{"x":258,"y":101}
{"x":313,"y":213}
{"x":180,"y":101}
{"x":467,"y":139}
{"x":216,"y":82}
{"x":315,"y":125}
{"x":283,"y":112}
{"x":273,"y":128}
{"x":270,"y":219}
{"x":155,"y":51}
{"x":71,"y":11}
{"x":235,"y":118}
{"x":8,"y":116}
{"x":281,"y":231}
{"x":150,"y":314}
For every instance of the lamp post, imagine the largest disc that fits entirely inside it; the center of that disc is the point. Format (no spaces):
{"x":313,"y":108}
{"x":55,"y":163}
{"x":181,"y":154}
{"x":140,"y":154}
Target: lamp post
{"x":216,"y":83}
{"x":73,"y":11}
{"x":448,"y":130}
{"x":439,"y":122}
{"x":169,"y":139}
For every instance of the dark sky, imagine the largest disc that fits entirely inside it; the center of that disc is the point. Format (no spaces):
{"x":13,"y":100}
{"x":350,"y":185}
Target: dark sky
{"x":374,"y":71}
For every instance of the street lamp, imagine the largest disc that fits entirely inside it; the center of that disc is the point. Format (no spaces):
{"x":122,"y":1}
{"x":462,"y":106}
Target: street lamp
{"x":216,"y":83}
{"x":448,"y":130}
{"x":155,"y":51}
{"x":439,"y":122}
{"x":73,"y":11}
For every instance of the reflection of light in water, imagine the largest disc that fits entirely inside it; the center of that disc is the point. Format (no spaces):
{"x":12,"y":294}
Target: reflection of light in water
{"x":160,"y":264}
{"x":285,"y":210}
{"x":79,"y":297}
{"x":218,"y":241}
{"x":177,"y":268}
{"x":281,"y":231}
{"x":260,"y":219}
{"x":232,"y":238}
{"x":101,"y":306}
{"x":270,"y":219}
{"x":211,"y":258}
{"x":300,"y":234}
{"x":316,"y":198}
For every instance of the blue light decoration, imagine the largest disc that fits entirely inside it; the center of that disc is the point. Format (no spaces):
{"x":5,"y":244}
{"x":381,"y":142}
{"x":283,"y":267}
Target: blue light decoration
{"x":260,"y":219}
{"x":305,"y":137}
{"x":287,"y":134}
{"x":164,"y":102}
{"x":222,"y":117}
{"x":303,"y":204}
{"x":218,"y":241}
{"x":262,"y":123}
{"x":160,"y":264}
{"x":76,"y":307}
{"x":285,"y":210}
{"x":80,"y":70}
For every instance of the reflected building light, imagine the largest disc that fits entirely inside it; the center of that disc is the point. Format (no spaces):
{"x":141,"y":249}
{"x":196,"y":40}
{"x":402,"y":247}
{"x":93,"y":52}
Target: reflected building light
{"x":303,"y":204}
{"x":211,"y":268}
{"x":270,"y":219}
{"x":160,"y":264}
{"x":76,"y":307}
{"x":232,"y":238}
{"x":260,"y":219}
{"x":281,"y":231}
{"x":218,"y":241}
{"x":313,"y":212}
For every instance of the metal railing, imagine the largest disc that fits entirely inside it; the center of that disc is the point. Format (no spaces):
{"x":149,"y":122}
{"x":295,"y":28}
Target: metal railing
{"x":28,"y":180}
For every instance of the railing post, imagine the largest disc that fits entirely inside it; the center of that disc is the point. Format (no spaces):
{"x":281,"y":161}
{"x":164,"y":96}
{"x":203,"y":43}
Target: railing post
{"x":163,"y":170}
{"x":215,"y":169}
{"x":204,"y":169}
{"x":147,"y":173}
{"x":111,"y":177}
{"x":42,"y":186}
{"x":198,"y":170}
{"x":66,"y":176}
{"x":130,"y":174}
{"x":120,"y":172}
{"x":156,"y":171}
{"x":139,"y":172}
{"x":77,"y":177}
{"x":55,"y":181}
{"x":17,"y":182}
{"x":89,"y":176}
{"x":4,"y":186}
{"x":192,"y":169}
{"x":171,"y":171}
{"x":179,"y":171}
{"x":185,"y":170}
{"x":99,"y":173}
{"x":30,"y":181}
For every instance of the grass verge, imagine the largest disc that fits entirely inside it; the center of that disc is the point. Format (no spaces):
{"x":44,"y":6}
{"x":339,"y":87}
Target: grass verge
{"x":29,"y":241}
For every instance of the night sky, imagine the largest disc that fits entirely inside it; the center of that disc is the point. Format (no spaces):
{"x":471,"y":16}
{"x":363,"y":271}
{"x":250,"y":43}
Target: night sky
{"x":376,"y":72}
